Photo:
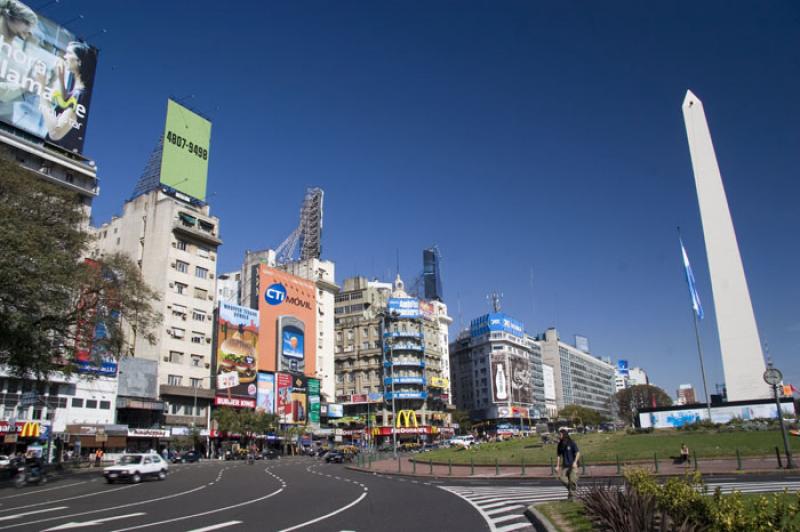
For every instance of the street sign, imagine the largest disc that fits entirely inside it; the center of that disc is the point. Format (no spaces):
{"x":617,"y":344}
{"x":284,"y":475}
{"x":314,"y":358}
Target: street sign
{"x":773,"y":376}
{"x":28,"y":399}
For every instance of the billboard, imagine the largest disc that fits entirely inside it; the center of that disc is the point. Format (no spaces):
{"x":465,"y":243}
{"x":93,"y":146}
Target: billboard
{"x":46,"y":77}
{"x":265,"y":392}
{"x":438,"y":382}
{"x":404,"y":307}
{"x":287,"y":311}
{"x":292,"y":398}
{"x":622,"y":368}
{"x":283,"y":387}
{"x":496,"y":321}
{"x":500,"y":380}
{"x":184,"y":157}
{"x":236,"y":340}
{"x":521,"y":379}
{"x":549,"y":382}
{"x":313,"y":401}
{"x":677,"y":417}
{"x":335,"y":410}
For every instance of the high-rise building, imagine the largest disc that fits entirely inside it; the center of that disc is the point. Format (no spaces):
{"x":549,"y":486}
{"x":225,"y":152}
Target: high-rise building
{"x":580,"y":378}
{"x":686,"y":395}
{"x":496,"y":372}
{"x":742,"y":358}
{"x":391,"y":350}
{"x":625,"y":377}
{"x":550,"y":405}
{"x":175,"y":243}
{"x":431,"y":274}
{"x":229,"y":287}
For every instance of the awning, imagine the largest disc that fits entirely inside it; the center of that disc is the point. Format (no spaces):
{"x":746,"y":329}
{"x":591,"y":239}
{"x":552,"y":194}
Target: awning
{"x":191,"y":220}
{"x":206,"y":226}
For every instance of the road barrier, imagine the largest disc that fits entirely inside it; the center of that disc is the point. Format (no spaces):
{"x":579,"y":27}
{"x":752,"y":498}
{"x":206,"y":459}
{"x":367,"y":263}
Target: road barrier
{"x":619,"y":466}
{"x":655,"y":461}
{"x":449,"y":467}
{"x":738,"y":461}
{"x":778,"y":456}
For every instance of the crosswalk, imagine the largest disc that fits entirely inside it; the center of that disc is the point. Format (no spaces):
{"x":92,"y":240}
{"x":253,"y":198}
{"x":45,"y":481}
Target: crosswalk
{"x":503,"y":507}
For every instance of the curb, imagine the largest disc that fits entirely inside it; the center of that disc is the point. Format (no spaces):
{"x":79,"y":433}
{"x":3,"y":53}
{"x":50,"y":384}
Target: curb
{"x":538,"y":520}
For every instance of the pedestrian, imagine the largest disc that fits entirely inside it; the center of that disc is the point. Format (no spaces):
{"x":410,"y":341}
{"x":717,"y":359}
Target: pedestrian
{"x":684,"y":453}
{"x":98,"y":457}
{"x":567,"y":463}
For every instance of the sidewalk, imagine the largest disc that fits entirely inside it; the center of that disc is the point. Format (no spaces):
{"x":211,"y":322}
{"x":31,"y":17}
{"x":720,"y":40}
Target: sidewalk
{"x":666,"y":467}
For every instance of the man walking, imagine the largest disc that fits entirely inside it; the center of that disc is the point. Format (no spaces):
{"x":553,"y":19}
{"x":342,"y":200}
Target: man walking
{"x":567,"y":462}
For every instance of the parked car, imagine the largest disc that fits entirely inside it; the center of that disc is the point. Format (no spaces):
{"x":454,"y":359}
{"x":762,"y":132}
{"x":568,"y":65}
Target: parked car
{"x":462,"y":441}
{"x":336,"y":457}
{"x":135,"y":467}
{"x":186,"y":457}
{"x":269,"y":454}
{"x":5,"y":461}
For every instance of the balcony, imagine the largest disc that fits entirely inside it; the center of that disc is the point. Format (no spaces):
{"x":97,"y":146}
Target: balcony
{"x":186,"y":391}
{"x":192,"y":227}
{"x":404,"y":363}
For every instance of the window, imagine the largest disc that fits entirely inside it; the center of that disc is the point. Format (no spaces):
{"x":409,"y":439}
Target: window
{"x":181,"y":266}
{"x":179,"y":311}
{"x":77,"y":403}
{"x":196,"y":382}
{"x":181,"y":288}
{"x":198,"y":315}
{"x":197,"y":361}
{"x":105,"y":405}
{"x":181,"y":244}
{"x":201,"y":273}
{"x":199,"y":293}
{"x":176,"y":357}
{"x":91,"y":403}
{"x":202,"y":252}
{"x":174,"y":380}
{"x":198,"y":337}
{"x":177,"y":332}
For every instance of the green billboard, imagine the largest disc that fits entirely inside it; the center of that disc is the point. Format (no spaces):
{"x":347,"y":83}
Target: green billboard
{"x":184,"y":160}
{"x":313,"y":401}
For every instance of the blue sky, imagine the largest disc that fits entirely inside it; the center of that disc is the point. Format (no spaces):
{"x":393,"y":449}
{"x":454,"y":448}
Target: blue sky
{"x":540,"y":145}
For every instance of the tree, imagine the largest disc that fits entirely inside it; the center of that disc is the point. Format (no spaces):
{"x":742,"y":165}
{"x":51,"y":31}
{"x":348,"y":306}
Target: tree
{"x":246,"y":423}
{"x":49,"y":295}
{"x":630,"y":400}
{"x":580,"y":415}
{"x":464,"y":421}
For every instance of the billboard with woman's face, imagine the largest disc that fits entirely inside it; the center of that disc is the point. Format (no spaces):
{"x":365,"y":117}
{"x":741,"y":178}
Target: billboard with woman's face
{"x":46,"y":77}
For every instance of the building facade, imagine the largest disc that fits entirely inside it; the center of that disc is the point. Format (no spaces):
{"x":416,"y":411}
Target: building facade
{"x":580,"y":378}
{"x":175,"y":245}
{"x":686,"y":395}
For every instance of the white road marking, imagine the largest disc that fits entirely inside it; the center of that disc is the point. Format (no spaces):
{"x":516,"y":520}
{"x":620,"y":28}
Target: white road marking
{"x":323,"y":517}
{"x":216,"y":527}
{"x":42,"y":491}
{"x":209,"y":512}
{"x":100,"y":510}
{"x":75,"y":524}
{"x":69,"y":498}
{"x":23,"y":514}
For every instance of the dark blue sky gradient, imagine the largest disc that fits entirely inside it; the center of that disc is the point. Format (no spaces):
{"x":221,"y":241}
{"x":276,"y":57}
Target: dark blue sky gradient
{"x":520,"y":137}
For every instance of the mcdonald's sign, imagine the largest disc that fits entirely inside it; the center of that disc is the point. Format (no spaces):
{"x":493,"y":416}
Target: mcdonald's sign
{"x":406,"y":418}
{"x":29,"y":430}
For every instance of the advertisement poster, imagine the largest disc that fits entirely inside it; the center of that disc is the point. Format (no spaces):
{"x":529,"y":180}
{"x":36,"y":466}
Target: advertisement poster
{"x":236,"y":340}
{"x":500,"y":380}
{"x":496,"y":321}
{"x":265,"y":394}
{"x":521,"y":380}
{"x":678,"y":417}
{"x":287,"y":334}
{"x":97,"y":316}
{"x":313,"y":401}
{"x":404,"y":307}
{"x":46,"y":77}
{"x":283,"y":402}
{"x":335,"y":410}
{"x":622,"y":368}
{"x":184,"y":158}
{"x":299,"y":398}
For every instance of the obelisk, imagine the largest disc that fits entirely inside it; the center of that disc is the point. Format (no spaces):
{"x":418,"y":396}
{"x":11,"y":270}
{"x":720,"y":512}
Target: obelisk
{"x":742,"y":358}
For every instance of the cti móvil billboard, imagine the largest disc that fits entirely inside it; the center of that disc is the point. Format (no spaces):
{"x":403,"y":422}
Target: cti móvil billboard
{"x":288,"y":331}
{"x":46,"y":77}
{"x":236,"y":340}
{"x":184,"y":158}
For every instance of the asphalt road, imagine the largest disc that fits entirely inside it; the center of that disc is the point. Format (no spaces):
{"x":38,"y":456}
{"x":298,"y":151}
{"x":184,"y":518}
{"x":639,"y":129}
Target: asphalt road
{"x":295,"y":493}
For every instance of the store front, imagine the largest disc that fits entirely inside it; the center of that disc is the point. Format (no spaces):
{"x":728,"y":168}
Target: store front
{"x":18,"y":435}
{"x":82,"y":440}
{"x":146,"y":440}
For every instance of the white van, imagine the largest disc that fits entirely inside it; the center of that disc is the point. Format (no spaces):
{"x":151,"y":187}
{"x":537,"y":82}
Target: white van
{"x":462,"y":441}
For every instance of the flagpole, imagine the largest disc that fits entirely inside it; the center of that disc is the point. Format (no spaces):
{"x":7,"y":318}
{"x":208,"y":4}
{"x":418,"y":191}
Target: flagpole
{"x":702,"y":365}
{"x":695,"y":310}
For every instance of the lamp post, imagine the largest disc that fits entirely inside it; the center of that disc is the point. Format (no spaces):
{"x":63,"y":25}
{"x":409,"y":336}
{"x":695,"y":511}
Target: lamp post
{"x":195,"y":386}
{"x":773,"y":376}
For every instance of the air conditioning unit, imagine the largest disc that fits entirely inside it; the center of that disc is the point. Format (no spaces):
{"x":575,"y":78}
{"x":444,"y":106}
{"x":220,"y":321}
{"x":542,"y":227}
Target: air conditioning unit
{"x":166,"y":359}
{"x":172,"y":285}
{"x":174,"y":264}
{"x":211,"y":298}
{"x":208,"y":340}
{"x":208,"y":366}
{"x":210,"y":275}
{"x":184,"y":317}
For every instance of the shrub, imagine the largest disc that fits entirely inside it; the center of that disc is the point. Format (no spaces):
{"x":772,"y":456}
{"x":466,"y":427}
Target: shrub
{"x":639,"y":430}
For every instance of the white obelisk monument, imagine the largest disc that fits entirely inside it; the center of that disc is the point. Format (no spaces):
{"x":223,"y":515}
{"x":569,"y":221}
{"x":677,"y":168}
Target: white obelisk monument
{"x":742,"y":358}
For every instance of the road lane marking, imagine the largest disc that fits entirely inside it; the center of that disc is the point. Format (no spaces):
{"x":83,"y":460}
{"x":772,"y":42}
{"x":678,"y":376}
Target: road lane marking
{"x":216,"y":527}
{"x":75,"y":524}
{"x":23,"y":514}
{"x":42,"y":491}
{"x":69,"y":498}
{"x":323,"y":517}
{"x":209,"y":512}
{"x":110,"y":508}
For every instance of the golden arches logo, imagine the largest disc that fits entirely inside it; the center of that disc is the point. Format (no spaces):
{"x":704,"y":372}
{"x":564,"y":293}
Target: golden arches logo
{"x":406,"y":418}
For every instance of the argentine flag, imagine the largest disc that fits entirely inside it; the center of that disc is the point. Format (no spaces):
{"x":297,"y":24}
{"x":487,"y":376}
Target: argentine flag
{"x":698,"y":308}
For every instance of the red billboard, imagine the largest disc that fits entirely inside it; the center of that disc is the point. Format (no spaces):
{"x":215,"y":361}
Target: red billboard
{"x":283,"y":397}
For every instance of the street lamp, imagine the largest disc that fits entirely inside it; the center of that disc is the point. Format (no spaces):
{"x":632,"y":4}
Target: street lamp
{"x":773,"y":376}
{"x":195,"y":386}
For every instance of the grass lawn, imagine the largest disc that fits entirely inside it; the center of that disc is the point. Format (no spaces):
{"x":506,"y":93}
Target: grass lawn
{"x":605,"y":447}
{"x":566,"y":516}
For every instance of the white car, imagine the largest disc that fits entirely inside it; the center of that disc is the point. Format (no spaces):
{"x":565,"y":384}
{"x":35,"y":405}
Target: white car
{"x":135,"y":467}
{"x":462,"y":441}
